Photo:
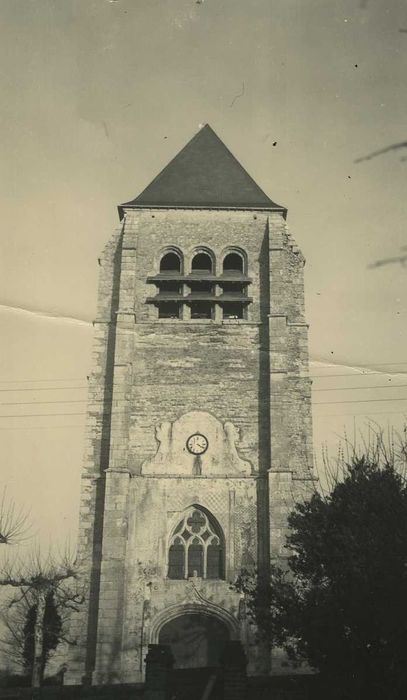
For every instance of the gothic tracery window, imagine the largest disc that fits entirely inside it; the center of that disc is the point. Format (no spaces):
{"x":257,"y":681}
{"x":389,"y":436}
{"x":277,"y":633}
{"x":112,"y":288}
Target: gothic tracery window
{"x":196,"y":547}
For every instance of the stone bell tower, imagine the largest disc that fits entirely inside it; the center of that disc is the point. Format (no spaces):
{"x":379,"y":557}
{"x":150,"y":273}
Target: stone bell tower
{"x":199,"y":418}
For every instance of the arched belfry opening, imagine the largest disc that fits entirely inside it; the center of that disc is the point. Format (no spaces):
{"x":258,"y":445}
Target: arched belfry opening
{"x":197,"y":639}
{"x":202,"y":264}
{"x":233,"y":263}
{"x":170,"y":263}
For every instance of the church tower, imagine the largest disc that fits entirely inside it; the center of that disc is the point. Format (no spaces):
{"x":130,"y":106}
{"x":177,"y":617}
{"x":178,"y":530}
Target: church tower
{"x":199,"y":430}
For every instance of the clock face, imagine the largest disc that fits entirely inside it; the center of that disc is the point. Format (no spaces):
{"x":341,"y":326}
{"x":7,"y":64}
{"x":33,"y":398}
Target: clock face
{"x":197,"y":444}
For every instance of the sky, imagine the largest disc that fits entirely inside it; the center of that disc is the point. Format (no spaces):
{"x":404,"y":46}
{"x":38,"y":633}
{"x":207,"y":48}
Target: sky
{"x":97,"y":96}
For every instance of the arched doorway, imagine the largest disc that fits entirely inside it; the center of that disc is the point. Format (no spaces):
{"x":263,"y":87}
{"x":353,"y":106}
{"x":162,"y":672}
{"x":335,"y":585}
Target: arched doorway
{"x":197,"y":640}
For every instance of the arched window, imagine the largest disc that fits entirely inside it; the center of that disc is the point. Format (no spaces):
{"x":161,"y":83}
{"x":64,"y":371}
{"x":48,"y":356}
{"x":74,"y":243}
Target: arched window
{"x":233,"y":284}
{"x":196,"y":547}
{"x":233,"y":263}
{"x":196,"y":558}
{"x":202,"y":263}
{"x":205,"y":291}
{"x":170,"y":262}
{"x":176,"y":559}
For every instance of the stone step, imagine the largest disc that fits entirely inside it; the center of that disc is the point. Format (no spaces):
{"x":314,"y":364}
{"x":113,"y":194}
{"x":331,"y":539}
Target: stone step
{"x":197,"y":683}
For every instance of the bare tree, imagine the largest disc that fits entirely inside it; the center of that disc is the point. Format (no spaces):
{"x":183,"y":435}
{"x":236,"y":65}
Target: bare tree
{"x":36,"y":579}
{"x":17,"y":637}
{"x":376,"y":444}
{"x":380,"y":151}
{"x":400,"y":259}
{"x":14,"y":521}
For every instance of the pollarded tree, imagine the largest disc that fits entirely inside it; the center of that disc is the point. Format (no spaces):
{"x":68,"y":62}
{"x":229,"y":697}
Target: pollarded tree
{"x":341,"y":603}
{"x":14,"y":522}
{"x":52,"y":633}
{"x":41,"y":581}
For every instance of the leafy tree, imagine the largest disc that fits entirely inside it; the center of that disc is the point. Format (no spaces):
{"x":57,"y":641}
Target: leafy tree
{"x":52,"y":633}
{"x":340,"y":604}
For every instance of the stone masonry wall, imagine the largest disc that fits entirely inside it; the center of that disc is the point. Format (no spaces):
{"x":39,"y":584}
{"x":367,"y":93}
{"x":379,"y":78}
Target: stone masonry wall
{"x":156,"y":505}
{"x":251,"y":372}
{"x":83,"y":627}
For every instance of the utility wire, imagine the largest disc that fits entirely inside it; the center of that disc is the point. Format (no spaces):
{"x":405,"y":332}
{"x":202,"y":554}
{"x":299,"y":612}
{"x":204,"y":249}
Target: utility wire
{"x":372,"y":364}
{"x":342,"y":388}
{"x":317,"y":416}
{"x":37,"y":403}
{"x":355,"y":415}
{"x":325,"y":403}
{"x":362,"y":388}
{"x":48,"y":388}
{"x":80,"y":379}
{"x":84,"y":413}
{"x":41,"y":427}
{"x":85,"y":386}
{"x":356,"y":374}
{"x":38,"y":415}
{"x":31,"y":381}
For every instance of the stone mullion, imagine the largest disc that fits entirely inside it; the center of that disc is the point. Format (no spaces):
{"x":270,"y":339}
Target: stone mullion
{"x":186,"y":560}
{"x":185,"y":307}
{"x":218,"y":311}
{"x":230,"y":545}
{"x":205,"y":559}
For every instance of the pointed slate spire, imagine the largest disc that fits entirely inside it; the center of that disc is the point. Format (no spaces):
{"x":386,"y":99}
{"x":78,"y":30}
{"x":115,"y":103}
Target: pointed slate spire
{"x":204,"y":174}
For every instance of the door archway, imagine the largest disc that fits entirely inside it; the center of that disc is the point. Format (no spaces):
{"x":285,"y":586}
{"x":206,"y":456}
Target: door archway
{"x":196,"y":639}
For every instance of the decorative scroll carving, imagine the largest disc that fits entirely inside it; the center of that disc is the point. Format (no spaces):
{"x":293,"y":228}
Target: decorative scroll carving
{"x":220,"y":459}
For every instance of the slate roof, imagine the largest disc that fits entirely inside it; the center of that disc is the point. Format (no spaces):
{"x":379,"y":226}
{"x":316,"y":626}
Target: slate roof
{"x":204,"y":174}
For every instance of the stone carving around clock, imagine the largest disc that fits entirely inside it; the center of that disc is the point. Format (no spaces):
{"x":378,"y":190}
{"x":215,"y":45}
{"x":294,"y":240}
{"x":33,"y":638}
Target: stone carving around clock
{"x":197,"y":436}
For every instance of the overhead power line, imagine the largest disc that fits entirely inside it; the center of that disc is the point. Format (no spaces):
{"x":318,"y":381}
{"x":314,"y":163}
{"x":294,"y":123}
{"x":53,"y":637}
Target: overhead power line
{"x":41,"y":427}
{"x":355,"y":415}
{"x":359,"y":370}
{"x":49,"y":388}
{"x":326,"y":403}
{"x":84,"y":413}
{"x":363,"y":388}
{"x":318,"y":416}
{"x":32,"y":381}
{"x":38,"y":403}
{"x":371,"y":364}
{"x":67,"y":401}
{"x":82,"y":388}
{"x":38,"y":415}
{"x":357,"y":374}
